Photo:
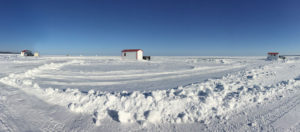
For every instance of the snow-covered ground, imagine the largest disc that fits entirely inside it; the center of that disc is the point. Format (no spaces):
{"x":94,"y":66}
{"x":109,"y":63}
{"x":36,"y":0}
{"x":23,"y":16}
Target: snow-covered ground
{"x":64,"y":93}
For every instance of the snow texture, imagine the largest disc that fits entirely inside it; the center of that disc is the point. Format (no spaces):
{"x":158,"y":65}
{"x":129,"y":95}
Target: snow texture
{"x":256,"y":82}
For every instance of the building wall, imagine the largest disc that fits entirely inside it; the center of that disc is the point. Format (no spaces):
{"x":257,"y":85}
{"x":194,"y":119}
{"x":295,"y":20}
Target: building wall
{"x":272,"y":57}
{"x":133,"y":55}
{"x":22,"y":53}
{"x":140,"y":55}
{"x":36,"y":54}
{"x":129,"y":55}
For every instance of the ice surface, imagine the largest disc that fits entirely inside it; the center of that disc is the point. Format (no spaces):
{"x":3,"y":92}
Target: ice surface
{"x":174,"y":90}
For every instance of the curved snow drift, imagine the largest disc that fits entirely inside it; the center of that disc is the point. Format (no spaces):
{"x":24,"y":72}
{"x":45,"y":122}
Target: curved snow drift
{"x":192,"y":103}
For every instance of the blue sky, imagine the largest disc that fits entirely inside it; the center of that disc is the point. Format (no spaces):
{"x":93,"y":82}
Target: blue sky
{"x":159,"y":27}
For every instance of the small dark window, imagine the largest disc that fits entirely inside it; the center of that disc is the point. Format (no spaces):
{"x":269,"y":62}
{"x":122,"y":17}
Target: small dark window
{"x":124,"y":54}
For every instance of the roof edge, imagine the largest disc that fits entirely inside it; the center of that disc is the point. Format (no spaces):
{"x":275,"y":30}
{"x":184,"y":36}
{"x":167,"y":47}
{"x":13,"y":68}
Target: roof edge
{"x":131,"y":50}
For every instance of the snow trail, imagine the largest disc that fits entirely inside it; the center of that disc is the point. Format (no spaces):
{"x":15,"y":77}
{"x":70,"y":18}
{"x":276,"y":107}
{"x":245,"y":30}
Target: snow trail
{"x":198,"y":102}
{"x":17,"y":113}
{"x":132,"y":80}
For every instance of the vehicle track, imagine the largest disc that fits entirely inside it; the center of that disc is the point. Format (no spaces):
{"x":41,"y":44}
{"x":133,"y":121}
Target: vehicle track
{"x":24,"y":113}
{"x":99,"y":82}
{"x":268,"y":113}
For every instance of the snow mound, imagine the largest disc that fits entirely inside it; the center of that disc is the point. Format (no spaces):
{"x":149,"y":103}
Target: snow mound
{"x":193,"y":103}
{"x":209,"y":60}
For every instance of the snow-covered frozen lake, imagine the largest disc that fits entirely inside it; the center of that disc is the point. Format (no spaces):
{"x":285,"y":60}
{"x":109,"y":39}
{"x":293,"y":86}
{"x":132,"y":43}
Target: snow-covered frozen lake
{"x":208,"y":93}
{"x":114,"y":74}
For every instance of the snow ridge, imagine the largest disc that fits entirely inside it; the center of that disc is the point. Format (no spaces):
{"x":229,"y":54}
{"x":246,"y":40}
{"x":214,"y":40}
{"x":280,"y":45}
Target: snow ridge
{"x":192,"y":103}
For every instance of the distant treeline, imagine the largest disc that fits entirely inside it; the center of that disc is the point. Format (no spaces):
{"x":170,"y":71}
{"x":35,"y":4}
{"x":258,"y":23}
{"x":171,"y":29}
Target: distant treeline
{"x":7,"y":52}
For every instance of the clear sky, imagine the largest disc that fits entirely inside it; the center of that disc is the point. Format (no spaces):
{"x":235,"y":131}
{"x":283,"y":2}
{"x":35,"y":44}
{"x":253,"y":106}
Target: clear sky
{"x":159,"y":27}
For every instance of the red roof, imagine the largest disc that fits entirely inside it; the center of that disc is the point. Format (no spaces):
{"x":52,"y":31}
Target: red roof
{"x":131,"y":50}
{"x":273,"y":53}
{"x":24,"y":50}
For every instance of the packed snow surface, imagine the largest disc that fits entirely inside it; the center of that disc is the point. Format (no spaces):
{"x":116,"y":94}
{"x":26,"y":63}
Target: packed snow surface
{"x":165,"y":90}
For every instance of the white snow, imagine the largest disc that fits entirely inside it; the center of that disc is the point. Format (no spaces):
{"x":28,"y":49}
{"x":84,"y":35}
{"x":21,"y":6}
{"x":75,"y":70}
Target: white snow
{"x":176,"y":91}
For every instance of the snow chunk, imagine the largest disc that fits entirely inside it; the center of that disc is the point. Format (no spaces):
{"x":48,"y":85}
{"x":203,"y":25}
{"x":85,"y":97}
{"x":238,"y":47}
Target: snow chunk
{"x":153,"y":116}
{"x":125,"y":117}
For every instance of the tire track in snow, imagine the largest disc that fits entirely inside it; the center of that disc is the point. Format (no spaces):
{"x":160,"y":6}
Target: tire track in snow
{"x":21,"y":114}
{"x":288,"y":118}
{"x":122,"y":106}
{"x":4,"y":114}
{"x":47,"y":96}
{"x":261,"y":117}
{"x":95,"y":73}
{"x":129,"y":75}
{"x":3,"y":125}
{"x":24,"y":114}
{"x":265,"y":120}
{"x":158,"y":78}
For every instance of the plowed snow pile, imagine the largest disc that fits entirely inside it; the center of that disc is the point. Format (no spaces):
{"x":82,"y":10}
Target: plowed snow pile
{"x":225,"y":85}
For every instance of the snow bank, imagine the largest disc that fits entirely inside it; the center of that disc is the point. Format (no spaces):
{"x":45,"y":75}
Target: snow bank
{"x":192,"y":103}
{"x":209,"y":60}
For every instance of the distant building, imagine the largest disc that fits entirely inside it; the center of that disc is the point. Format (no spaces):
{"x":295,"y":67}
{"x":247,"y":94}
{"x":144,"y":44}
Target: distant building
{"x":26,"y":53}
{"x":36,"y":54}
{"x":132,"y":54}
{"x":273,"y":56}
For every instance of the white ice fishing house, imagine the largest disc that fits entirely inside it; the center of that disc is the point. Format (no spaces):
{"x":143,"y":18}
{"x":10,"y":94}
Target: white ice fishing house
{"x":273,"y":56}
{"x":26,"y":53}
{"x":133,"y":54}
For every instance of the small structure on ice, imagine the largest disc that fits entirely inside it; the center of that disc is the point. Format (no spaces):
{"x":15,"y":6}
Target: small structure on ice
{"x":147,"y":58}
{"x":273,"y":56}
{"x":133,"y":54}
{"x":36,"y":54}
{"x":26,"y":53}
